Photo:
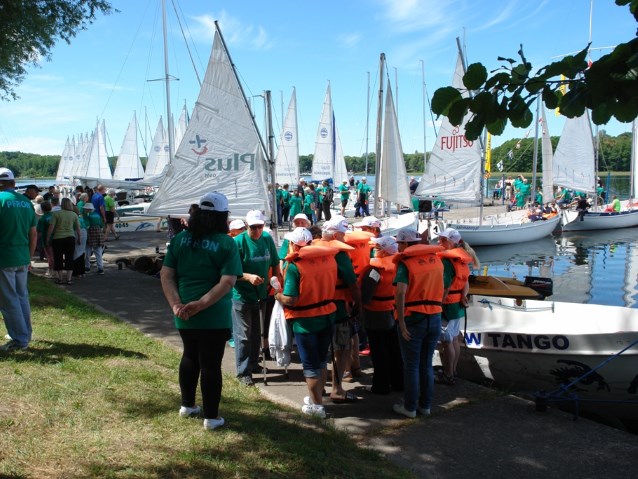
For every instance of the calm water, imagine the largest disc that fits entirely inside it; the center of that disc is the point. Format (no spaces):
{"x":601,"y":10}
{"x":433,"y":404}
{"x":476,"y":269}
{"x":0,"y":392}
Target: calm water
{"x":587,"y":267}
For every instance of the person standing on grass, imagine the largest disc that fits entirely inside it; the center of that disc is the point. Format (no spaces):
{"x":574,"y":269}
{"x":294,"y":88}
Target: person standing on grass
{"x":419,"y":294}
{"x":258,"y":255}
{"x":18,"y":239}
{"x":200,"y":269}
{"x":63,"y":234}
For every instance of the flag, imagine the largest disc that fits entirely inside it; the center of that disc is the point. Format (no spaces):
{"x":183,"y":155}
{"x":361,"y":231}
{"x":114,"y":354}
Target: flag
{"x":499,"y":165}
{"x":510,"y":154}
{"x":488,"y":153}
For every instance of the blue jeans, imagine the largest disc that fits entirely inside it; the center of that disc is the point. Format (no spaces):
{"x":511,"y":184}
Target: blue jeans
{"x":418,"y":375}
{"x":14,"y":303}
{"x":247,"y":335}
{"x":313,"y":350}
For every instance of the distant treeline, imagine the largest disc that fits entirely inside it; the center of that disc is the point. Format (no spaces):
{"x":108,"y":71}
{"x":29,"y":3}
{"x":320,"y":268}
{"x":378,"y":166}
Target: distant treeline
{"x":614,"y":155}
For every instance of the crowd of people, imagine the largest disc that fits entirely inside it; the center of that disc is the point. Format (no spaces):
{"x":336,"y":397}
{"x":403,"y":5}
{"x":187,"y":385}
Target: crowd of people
{"x":402,"y":293}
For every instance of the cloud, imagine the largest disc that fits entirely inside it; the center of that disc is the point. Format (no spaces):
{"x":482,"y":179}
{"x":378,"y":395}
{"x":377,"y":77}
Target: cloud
{"x":103,"y":86}
{"x":349,"y":40}
{"x":235,"y":32}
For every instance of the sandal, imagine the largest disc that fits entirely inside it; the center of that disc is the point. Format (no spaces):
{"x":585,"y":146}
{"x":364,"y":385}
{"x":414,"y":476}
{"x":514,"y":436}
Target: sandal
{"x":347,"y":377}
{"x":348,"y":398}
{"x":444,"y":379}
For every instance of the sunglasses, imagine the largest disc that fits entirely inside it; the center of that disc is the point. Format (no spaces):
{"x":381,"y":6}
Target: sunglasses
{"x":256,"y":227}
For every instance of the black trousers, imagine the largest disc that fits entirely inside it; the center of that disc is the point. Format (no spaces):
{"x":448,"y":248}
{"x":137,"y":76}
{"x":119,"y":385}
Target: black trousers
{"x":386,"y":359}
{"x":63,"y":253}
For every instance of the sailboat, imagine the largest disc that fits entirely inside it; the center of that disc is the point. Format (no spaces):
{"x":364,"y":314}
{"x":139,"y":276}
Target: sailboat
{"x":129,"y":166}
{"x":158,"y":155}
{"x":391,"y":179}
{"x":221,"y":150}
{"x":328,"y":160}
{"x":287,"y":161}
{"x":575,"y":168}
{"x":454,"y":173}
{"x":95,"y":163}
{"x":66,"y":162}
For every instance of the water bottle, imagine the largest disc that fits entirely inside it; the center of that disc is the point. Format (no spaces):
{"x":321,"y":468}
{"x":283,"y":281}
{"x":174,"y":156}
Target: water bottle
{"x":274,"y":282}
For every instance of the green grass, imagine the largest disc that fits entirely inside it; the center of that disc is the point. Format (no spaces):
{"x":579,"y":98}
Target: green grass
{"x":93,"y":397}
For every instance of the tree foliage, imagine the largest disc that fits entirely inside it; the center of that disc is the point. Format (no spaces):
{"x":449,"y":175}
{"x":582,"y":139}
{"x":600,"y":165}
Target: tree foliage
{"x":30,"y":30}
{"x":608,"y":87}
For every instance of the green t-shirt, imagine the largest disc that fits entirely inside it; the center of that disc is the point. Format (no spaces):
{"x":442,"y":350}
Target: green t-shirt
{"x":295,"y":205}
{"x":312,"y":324}
{"x":200,"y":268}
{"x":93,"y":219}
{"x":283,"y":249}
{"x":307,"y":205}
{"x":344,"y":191}
{"x":415,"y":203}
{"x":43,"y":228}
{"x":17,"y":217}
{"x":257,"y":257}
{"x":321,"y":191}
{"x":364,"y":189}
{"x":285,"y":196}
{"x":455,"y":310}
{"x":64,"y":222}
{"x":109,"y":203}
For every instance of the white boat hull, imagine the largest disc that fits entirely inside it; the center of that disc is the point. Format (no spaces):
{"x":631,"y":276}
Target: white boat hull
{"x":541,"y":345}
{"x":392,"y":224}
{"x":506,"y":228}
{"x":140,"y":223}
{"x":598,"y":220}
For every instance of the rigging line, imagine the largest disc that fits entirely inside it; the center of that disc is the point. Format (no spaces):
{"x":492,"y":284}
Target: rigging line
{"x":179,"y":22}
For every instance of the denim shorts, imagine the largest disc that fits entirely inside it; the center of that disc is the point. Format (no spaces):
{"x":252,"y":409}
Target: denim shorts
{"x":313,"y":351}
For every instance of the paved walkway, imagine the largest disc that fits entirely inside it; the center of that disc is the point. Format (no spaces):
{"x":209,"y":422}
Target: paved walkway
{"x":473,"y":431}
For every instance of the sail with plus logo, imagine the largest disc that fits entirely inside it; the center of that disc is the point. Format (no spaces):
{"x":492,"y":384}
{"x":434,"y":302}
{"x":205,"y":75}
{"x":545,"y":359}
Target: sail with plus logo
{"x":221,"y":149}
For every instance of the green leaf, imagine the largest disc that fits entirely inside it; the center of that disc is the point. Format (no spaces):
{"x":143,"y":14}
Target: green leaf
{"x":573,"y":102}
{"x":474,"y":127}
{"x":497,"y":127}
{"x":550,"y":97}
{"x":475,"y":76}
{"x":457,"y":111}
{"x":523,"y":120}
{"x":602,"y":114}
{"x":443,"y":98}
{"x":500,"y":79}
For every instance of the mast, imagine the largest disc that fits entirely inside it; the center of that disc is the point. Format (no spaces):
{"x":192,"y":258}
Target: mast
{"x":271,"y":155}
{"x":379,"y":133}
{"x":167,"y":81}
{"x":535,"y":154}
{"x":367,"y":121}
{"x":425,"y":143}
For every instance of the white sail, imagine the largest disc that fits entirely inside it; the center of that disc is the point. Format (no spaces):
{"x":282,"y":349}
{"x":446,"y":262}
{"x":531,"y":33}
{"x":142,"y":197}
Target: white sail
{"x":221,"y":149}
{"x":392,"y":177}
{"x":180,"y":128}
{"x":574,"y":160}
{"x":158,"y":155}
{"x":287,"y":162}
{"x":340,"y":172}
{"x":547,"y":155}
{"x":95,"y":162}
{"x":324,"y":157}
{"x":64,"y":161}
{"x":453,"y":171}
{"x":129,"y":166}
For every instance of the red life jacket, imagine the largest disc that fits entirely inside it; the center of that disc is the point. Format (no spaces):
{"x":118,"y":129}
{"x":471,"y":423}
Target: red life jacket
{"x":460,"y":259}
{"x":425,"y":278}
{"x":383,"y":299}
{"x":318,"y":273}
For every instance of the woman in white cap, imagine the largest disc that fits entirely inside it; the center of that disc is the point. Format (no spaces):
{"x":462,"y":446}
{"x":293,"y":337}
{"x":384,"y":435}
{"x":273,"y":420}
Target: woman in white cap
{"x":200,"y":269}
{"x":300,"y":220}
{"x":310,"y":273}
{"x":456,"y":258}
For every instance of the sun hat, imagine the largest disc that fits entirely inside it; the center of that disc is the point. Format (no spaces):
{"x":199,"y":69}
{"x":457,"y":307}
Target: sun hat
{"x":386,"y":243}
{"x":213,"y":201}
{"x":335,"y":225}
{"x":364,"y":179}
{"x":451,"y":234}
{"x":299,"y":236}
{"x":88,"y":206}
{"x":369,"y":221}
{"x":237,"y":225}
{"x":6,"y":174}
{"x":255,"y":217}
{"x":301,"y":216}
{"x":408,"y":235}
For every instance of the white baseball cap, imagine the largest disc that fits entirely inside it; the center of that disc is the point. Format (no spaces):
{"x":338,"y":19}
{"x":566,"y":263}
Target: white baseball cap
{"x":6,"y":174}
{"x":237,"y":225}
{"x":451,"y":234}
{"x":88,"y":206}
{"x":213,"y":201}
{"x":386,"y":243}
{"x":299,"y":236}
{"x":301,"y":216}
{"x":255,"y":217}
{"x":336,"y":225}
{"x":369,"y":221}
{"x":408,"y":235}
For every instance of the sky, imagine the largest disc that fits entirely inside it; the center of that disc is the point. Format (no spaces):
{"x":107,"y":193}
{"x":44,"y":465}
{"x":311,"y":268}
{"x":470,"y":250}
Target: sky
{"x":107,"y":70}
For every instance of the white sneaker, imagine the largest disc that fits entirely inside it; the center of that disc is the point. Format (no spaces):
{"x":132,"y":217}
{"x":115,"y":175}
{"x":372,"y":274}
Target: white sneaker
{"x":189,"y":411}
{"x":307,"y":401}
{"x":211,"y":424}
{"x":400,"y":409}
{"x":424,"y":411}
{"x":314,"y":410}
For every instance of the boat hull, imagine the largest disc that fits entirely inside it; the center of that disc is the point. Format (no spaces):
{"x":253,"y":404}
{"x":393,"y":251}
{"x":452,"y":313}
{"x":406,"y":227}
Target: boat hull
{"x":129,"y":224}
{"x":499,"y":229}
{"x":543,"y":345}
{"x":596,"y":220}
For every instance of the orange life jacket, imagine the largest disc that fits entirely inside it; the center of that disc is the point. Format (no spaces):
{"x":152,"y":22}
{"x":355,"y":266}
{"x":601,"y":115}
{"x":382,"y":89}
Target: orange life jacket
{"x":425,"y":278}
{"x":318,"y":273}
{"x":460,"y":259}
{"x":360,"y":256}
{"x":383,"y":299}
{"x":342,"y":291}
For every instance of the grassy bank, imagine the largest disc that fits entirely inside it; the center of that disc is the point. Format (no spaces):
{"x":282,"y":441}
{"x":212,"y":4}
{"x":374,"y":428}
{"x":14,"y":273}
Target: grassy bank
{"x":93,"y":397}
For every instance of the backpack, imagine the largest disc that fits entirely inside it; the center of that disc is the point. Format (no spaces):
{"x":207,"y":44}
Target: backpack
{"x":329,"y":195}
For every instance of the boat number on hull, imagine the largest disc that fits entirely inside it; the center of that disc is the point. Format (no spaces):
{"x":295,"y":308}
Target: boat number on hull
{"x":517,"y":341}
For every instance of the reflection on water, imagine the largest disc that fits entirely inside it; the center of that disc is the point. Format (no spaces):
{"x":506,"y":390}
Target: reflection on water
{"x":587,"y":267}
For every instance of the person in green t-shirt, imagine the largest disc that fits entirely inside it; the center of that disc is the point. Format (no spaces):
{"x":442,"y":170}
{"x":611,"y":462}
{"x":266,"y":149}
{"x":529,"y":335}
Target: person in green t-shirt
{"x":199,"y":271}
{"x":94,"y":238}
{"x":260,"y":261}
{"x":344,"y":192}
{"x":295,"y":204}
{"x":363,"y":191}
{"x":18,"y":239}
{"x":111,"y":213}
{"x":285,"y":198}
{"x":63,"y":234}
